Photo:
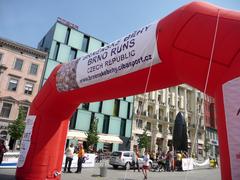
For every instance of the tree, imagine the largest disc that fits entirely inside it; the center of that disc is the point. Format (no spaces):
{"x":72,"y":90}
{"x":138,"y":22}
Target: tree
{"x":92,"y":134}
{"x":16,"y":128}
{"x":143,"y":140}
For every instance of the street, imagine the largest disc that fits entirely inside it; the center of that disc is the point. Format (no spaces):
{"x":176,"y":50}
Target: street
{"x":120,"y":174}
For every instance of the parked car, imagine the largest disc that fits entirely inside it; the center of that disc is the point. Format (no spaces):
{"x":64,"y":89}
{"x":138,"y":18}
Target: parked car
{"x":124,"y":159}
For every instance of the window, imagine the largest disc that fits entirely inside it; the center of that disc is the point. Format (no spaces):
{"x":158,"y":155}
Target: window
{"x":123,"y":127}
{"x":6,"y":109}
{"x":73,"y":54}
{"x":33,"y":69}
{"x":25,"y":111}
{"x":139,"y":123}
{"x":67,"y":36}
{"x":18,"y":64}
{"x":116,"y":107}
{"x":73,"y":120}
{"x":129,"y":111}
{"x":170,"y":130}
{"x":55,"y":54}
{"x":100,"y":107}
{"x":28,"y":88}
{"x":140,"y":107}
{"x":85,"y":106}
{"x":126,"y":154}
{"x":105,"y":124}
{"x":160,"y":128}
{"x":12,"y":85}
{"x":85,"y":43}
{"x":148,"y":126}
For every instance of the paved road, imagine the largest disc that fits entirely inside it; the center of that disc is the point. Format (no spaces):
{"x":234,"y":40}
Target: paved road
{"x":93,"y":174}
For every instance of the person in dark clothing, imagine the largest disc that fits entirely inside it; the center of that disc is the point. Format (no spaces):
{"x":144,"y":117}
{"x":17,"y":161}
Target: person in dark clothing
{"x":3,"y":149}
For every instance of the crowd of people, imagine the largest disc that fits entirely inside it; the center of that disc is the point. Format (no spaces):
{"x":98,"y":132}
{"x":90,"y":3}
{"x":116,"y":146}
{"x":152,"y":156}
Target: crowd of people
{"x":166,"y":161}
{"x":170,"y":161}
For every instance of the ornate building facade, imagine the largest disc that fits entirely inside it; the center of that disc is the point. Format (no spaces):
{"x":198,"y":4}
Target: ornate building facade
{"x":156,"y":111}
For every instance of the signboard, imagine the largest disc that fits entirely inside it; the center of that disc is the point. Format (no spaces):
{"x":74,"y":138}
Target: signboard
{"x":67,"y":23}
{"x":26,"y":140}
{"x":231,"y":97}
{"x":129,"y":54}
{"x":133,"y":52}
{"x":89,"y":160}
{"x":187,"y":164}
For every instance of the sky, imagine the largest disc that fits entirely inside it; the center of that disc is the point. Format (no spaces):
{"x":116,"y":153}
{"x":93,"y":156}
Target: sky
{"x":27,"y":21}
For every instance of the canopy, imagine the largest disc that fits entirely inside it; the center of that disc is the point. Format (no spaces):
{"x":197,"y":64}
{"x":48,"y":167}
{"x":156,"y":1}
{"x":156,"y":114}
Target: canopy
{"x":103,"y":138}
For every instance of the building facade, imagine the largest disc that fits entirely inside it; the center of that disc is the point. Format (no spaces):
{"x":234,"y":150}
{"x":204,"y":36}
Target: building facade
{"x":156,"y":111}
{"x":211,"y":127}
{"x":21,"y":69}
{"x":64,"y":42}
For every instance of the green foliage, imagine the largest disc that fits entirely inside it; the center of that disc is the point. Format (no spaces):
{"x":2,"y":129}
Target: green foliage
{"x":16,"y":128}
{"x":144,"y":140}
{"x":92,"y":134}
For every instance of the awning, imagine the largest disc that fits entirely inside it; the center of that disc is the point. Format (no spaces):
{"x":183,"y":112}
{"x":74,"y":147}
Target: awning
{"x":103,"y":138}
{"x":107,"y":138}
{"x":75,"y":134}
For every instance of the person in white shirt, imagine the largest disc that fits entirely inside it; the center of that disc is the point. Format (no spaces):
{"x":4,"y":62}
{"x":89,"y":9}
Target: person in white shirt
{"x":69,"y":157}
{"x":145,"y":168}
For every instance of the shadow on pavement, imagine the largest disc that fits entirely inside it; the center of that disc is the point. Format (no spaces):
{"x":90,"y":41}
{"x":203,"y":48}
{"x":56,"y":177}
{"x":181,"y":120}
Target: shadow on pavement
{"x":7,"y":177}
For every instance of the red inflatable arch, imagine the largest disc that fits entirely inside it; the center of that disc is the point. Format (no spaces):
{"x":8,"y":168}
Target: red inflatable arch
{"x":188,"y":41}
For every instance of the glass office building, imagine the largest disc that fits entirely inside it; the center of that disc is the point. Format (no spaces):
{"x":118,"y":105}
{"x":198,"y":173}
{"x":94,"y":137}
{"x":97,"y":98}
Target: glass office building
{"x":65,"y":42}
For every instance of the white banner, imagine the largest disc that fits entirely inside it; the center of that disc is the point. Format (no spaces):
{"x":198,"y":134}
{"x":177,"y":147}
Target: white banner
{"x":231,"y":96}
{"x":89,"y":160}
{"x":199,"y":164}
{"x":26,"y":140}
{"x":131,"y":53}
{"x":10,"y":160}
{"x":187,"y":164}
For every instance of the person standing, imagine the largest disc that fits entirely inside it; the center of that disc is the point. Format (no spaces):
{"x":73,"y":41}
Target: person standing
{"x":145,"y":169}
{"x":80,"y":158}
{"x":137,"y":157}
{"x":3,"y":149}
{"x":69,"y":157}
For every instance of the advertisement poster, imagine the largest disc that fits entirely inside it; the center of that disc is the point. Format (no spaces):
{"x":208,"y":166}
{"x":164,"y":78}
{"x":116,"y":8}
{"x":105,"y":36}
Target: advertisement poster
{"x":26,"y":140}
{"x":231,"y":96}
{"x":89,"y":160}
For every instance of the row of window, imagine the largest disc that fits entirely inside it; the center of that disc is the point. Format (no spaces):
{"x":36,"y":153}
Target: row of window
{"x":85,"y":42}
{"x":7,"y":108}
{"x":139,"y":125}
{"x":73,"y":51}
{"x":13,"y":84}
{"x":72,"y":55}
{"x":18,"y":65}
{"x":105,"y":127}
{"x":116,"y":109}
